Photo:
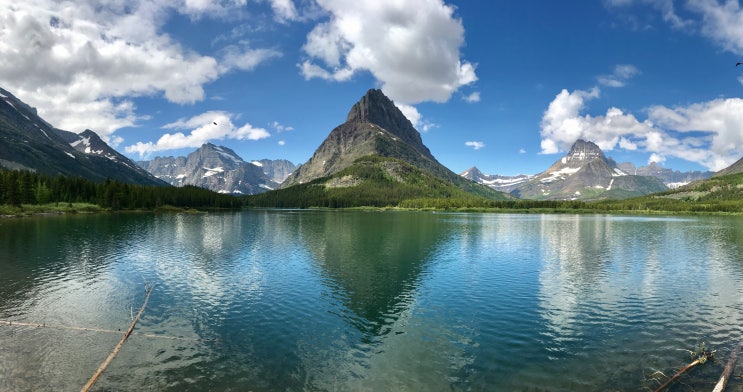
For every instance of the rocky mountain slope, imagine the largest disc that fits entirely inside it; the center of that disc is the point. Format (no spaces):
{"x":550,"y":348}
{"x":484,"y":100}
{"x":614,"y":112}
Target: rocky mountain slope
{"x":585,"y":174}
{"x":375,"y":126}
{"x":219,"y":169}
{"x":276,"y":169}
{"x":28,"y":142}
{"x":735,"y":168}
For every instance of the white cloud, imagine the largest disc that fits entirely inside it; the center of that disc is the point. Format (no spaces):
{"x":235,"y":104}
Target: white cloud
{"x":472,"y":98}
{"x":280,"y":128}
{"x":281,"y":143}
{"x":284,"y":10}
{"x":665,"y":7}
{"x":722,"y":22}
{"x":411,"y":113}
{"x":213,"y":125}
{"x":415,"y":117}
{"x":410,"y":46}
{"x":708,"y":133}
{"x":656,"y":158}
{"x":621,"y":75}
{"x":475,"y":145}
{"x":522,"y":151}
{"x":245,"y":59}
{"x":80,"y":63}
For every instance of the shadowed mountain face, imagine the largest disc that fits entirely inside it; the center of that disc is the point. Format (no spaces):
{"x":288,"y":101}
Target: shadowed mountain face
{"x":375,"y":126}
{"x":28,"y":142}
{"x":586,"y":173}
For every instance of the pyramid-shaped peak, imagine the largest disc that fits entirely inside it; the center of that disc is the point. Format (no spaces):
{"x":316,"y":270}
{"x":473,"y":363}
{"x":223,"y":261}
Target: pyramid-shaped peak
{"x":376,"y":108}
{"x":584,"y":151}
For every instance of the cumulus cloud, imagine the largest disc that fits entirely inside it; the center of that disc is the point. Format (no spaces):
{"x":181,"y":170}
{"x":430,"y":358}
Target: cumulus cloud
{"x":708,"y":133}
{"x":412,"y":47}
{"x":81,"y":63}
{"x":213,"y":125}
{"x":475,"y":145}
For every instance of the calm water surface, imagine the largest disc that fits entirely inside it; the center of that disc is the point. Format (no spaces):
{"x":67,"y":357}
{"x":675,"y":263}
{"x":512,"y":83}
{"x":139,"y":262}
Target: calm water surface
{"x":338,"y":300}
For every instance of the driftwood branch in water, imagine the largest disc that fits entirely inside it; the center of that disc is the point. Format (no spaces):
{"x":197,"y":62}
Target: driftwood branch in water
{"x":678,"y":374}
{"x":725,"y":377}
{"x":702,"y":355}
{"x":111,"y":356}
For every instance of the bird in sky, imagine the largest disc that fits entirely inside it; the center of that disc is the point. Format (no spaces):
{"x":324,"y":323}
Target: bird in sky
{"x":215,"y":123}
{"x":737,"y":64}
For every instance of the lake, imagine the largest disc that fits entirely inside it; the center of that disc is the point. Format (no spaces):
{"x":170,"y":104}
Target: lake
{"x":348,"y":300}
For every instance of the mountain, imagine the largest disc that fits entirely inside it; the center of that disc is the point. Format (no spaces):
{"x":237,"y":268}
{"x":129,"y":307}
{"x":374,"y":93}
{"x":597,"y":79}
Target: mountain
{"x":30,"y":143}
{"x":375,"y":126}
{"x":276,"y":169}
{"x":496,"y":181}
{"x":375,"y":181}
{"x":671,"y":178}
{"x":735,"y":168}
{"x":586,"y":174}
{"x":213,"y":167}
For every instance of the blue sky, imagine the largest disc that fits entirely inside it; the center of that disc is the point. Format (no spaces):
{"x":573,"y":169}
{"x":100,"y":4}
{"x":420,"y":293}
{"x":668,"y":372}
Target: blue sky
{"x":507,"y":86}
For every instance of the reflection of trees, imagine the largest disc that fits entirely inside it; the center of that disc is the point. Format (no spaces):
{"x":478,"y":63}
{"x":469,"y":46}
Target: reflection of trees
{"x":372,"y":261}
{"x":36,"y":251}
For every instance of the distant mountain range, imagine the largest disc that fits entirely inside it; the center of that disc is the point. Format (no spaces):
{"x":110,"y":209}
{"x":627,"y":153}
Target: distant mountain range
{"x":30,"y":143}
{"x":671,"y":178}
{"x":220,"y":169}
{"x":583,"y":174}
{"x":376,"y":156}
{"x":558,"y":181}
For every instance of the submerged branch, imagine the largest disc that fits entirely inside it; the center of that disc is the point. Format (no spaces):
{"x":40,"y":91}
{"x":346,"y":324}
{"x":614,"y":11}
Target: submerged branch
{"x":116,"y":349}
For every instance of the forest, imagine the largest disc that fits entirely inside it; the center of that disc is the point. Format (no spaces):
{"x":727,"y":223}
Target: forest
{"x":19,"y":188}
{"x":419,"y":192}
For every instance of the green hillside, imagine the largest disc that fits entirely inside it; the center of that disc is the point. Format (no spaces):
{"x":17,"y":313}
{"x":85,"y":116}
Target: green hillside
{"x":374,"y":181}
{"x":717,"y":194}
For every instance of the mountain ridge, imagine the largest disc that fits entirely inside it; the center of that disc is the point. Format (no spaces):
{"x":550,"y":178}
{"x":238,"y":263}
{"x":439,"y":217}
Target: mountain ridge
{"x":584,"y":173}
{"x":217,"y":168}
{"x":31,"y":143}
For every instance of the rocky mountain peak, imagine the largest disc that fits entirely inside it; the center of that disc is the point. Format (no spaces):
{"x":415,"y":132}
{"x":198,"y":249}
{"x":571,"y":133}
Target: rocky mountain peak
{"x":214,"y":167}
{"x":376,"y":108}
{"x":472,"y":173}
{"x":581,"y":152}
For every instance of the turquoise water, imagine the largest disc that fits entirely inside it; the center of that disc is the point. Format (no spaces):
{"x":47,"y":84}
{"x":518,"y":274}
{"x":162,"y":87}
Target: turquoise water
{"x":341,"y":300}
